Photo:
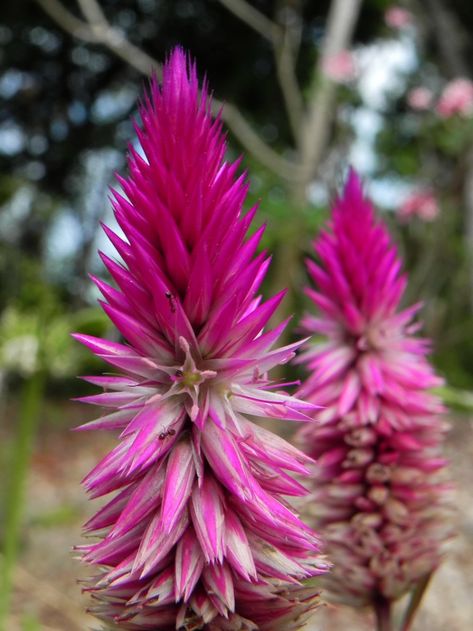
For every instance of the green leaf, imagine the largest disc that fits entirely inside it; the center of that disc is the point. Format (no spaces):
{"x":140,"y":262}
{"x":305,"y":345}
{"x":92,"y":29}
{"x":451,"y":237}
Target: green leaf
{"x":457,"y":399}
{"x":20,"y":455}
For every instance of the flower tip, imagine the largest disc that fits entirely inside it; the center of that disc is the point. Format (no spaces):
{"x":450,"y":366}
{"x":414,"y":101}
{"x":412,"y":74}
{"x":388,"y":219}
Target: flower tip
{"x":177,"y":56}
{"x":184,"y":344}
{"x":353,"y":186}
{"x":180,"y":71}
{"x":84,"y":339}
{"x":77,"y":428}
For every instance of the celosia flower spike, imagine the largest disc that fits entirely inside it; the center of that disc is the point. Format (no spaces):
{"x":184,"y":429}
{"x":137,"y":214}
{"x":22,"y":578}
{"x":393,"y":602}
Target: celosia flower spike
{"x":378,"y":500}
{"x":197,"y":535}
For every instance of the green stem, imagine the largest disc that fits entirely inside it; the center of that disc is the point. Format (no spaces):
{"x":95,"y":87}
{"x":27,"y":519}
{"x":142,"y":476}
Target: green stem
{"x":415,"y":601}
{"x":18,"y":468}
{"x":382,"y":609}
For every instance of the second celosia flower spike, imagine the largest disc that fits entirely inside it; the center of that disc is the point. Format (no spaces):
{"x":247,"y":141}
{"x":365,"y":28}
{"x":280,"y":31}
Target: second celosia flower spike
{"x":378,"y":499}
{"x":197,"y":535}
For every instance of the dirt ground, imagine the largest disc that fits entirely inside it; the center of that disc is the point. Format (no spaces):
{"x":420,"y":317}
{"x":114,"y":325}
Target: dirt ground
{"x":47,"y":596}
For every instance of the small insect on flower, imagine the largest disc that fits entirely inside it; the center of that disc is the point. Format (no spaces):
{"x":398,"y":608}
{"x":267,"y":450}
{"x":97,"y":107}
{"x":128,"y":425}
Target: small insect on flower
{"x":167,"y":432}
{"x":199,"y":533}
{"x":172,"y":303}
{"x":379,"y":496}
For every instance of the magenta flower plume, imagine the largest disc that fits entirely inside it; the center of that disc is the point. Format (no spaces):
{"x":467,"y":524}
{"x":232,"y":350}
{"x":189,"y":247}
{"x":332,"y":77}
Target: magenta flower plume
{"x":378,"y":500}
{"x":197,"y":535}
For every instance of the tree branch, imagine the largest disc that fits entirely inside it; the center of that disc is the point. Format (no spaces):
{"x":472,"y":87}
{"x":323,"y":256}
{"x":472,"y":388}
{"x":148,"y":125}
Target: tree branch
{"x":285,"y":51}
{"x":450,"y":38}
{"x":99,"y":31}
{"x":67,"y":20}
{"x":315,"y":130}
{"x":281,"y":39}
{"x":284,"y":168}
{"x":341,"y":24}
{"x":93,"y":13}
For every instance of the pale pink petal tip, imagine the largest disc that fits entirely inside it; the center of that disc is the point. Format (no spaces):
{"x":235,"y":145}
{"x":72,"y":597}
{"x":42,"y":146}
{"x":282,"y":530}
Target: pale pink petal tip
{"x":198,"y":533}
{"x":422,"y":204}
{"x":379,"y":495}
{"x":340,"y":67}
{"x":420,"y":98}
{"x":397,"y":17}
{"x":456,"y":99}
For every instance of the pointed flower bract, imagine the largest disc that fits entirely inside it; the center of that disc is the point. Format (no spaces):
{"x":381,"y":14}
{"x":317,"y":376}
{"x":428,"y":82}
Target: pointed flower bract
{"x":378,"y":499}
{"x":197,"y":535}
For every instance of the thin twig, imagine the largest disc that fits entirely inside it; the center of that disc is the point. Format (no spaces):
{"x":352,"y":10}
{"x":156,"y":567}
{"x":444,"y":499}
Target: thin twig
{"x":286,"y":169}
{"x":315,"y":131}
{"x":67,"y":20}
{"x":285,"y":51}
{"x":281,"y":38}
{"x":341,"y":23}
{"x":102,"y":32}
{"x":93,"y":13}
{"x":450,"y":37}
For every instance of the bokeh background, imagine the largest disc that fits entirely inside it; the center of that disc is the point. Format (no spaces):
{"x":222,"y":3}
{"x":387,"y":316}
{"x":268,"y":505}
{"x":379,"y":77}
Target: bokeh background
{"x":309,"y":88}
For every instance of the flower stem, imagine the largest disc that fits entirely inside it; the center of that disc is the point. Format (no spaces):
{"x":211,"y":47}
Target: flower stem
{"x":18,"y":468}
{"x":382,"y":609}
{"x":415,"y":601}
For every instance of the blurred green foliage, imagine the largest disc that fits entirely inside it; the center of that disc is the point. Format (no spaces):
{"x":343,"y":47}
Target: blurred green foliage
{"x":433,"y":152}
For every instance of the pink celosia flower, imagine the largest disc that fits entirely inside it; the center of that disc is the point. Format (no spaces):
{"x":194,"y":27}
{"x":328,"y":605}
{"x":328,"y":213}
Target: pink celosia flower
{"x":198,"y":535}
{"x":377,"y":500}
{"x":420,"y":98}
{"x":422,"y":204}
{"x":340,"y":67}
{"x":456,"y":98}
{"x":397,"y":17}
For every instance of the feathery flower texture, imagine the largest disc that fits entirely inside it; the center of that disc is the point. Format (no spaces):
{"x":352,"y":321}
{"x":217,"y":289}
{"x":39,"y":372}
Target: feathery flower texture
{"x":378,"y":500}
{"x":198,"y":534}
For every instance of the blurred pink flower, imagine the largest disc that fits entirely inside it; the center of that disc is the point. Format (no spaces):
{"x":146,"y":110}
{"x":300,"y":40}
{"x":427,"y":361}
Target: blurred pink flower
{"x":199,"y":533}
{"x":397,"y":17}
{"x":422,"y":204}
{"x":456,"y":98}
{"x":379,"y":495}
{"x":420,"y":98}
{"x":340,"y":67}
